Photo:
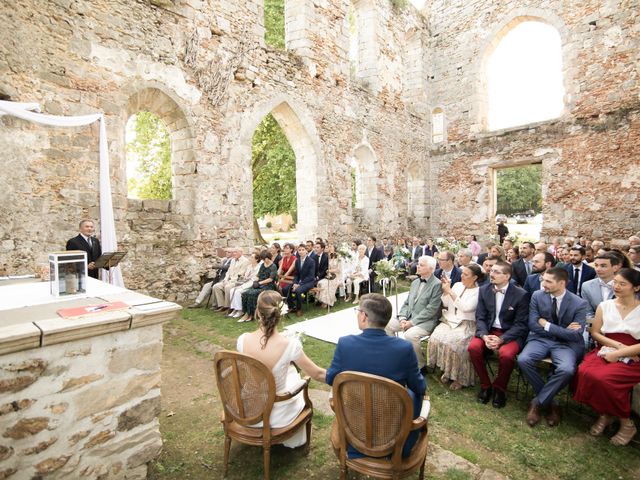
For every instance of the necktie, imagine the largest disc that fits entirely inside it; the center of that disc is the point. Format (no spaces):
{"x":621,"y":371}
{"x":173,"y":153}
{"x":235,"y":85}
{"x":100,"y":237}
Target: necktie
{"x":499,"y":290}
{"x":576,"y":278}
{"x":89,"y":242}
{"x":423,"y":280}
{"x":554,"y":311}
{"x":528,"y":267}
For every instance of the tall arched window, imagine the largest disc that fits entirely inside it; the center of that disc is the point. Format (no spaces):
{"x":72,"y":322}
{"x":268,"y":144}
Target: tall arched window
{"x":524,"y":76}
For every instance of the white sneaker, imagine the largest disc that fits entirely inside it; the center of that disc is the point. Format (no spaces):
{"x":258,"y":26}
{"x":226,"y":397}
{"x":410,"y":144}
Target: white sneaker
{"x":238,"y":314}
{"x":231,"y":313}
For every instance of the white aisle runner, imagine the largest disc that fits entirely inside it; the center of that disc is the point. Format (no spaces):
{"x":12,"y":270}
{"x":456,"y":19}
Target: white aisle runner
{"x":334,"y":325}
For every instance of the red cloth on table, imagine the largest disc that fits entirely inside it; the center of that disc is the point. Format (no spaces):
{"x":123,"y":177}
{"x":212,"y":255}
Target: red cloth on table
{"x":604,"y":386}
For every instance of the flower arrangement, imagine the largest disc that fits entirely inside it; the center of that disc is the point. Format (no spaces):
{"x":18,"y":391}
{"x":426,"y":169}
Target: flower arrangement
{"x":344,"y":251}
{"x":513,"y":237}
{"x":451,"y":245}
{"x":386,"y":269}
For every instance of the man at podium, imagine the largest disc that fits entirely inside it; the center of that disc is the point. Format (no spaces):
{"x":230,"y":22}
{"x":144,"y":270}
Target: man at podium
{"x":85,"y":241}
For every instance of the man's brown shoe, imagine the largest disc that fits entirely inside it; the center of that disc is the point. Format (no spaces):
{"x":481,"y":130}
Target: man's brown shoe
{"x":553,"y":418}
{"x":533,"y":415}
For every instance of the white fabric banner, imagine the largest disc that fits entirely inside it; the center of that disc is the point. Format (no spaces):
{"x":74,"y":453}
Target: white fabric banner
{"x":107,"y":222}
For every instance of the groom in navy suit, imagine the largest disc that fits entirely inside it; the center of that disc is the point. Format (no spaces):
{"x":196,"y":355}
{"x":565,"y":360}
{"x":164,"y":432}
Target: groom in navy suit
{"x":375,"y":352}
{"x":556,"y":321}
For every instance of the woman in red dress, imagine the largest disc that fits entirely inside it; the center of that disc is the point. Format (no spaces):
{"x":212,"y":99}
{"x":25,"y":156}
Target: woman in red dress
{"x":608,"y":373}
{"x":287,"y":269}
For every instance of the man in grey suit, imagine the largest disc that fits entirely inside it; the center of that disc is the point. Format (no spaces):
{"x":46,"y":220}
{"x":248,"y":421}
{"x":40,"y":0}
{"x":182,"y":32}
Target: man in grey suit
{"x":556,"y":321}
{"x":420,"y":312}
{"x":597,"y":290}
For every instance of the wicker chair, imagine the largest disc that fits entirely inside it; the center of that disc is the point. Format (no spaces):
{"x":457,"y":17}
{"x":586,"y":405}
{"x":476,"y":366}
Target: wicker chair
{"x":248,"y":391}
{"x":375,"y":416}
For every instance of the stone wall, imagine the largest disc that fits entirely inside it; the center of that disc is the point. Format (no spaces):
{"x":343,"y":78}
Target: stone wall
{"x":203,"y":67}
{"x":589,"y":155}
{"x":86,"y":408}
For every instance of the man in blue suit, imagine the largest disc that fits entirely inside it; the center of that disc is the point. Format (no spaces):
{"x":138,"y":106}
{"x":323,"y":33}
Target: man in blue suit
{"x":375,"y":352}
{"x":556,"y":321}
{"x":447,"y":267}
{"x":304,"y":280}
{"x":541,"y":263}
{"x":579,"y":272}
{"x":595,"y":291}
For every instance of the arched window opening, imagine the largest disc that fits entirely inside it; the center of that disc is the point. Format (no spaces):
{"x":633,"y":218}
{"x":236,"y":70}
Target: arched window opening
{"x":148,"y":157}
{"x":273,"y":163}
{"x":415,"y":192}
{"x":356,"y":185}
{"x":437,"y":125}
{"x":524,"y":76}
{"x":274,"y":31}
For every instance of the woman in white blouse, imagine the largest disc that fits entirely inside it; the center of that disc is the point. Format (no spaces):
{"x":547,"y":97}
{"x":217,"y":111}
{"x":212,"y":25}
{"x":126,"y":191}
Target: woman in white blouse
{"x":447,"y":347}
{"x":360,"y":274}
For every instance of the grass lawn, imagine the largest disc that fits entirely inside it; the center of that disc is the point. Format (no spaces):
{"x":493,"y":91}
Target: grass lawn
{"x":496,"y":439}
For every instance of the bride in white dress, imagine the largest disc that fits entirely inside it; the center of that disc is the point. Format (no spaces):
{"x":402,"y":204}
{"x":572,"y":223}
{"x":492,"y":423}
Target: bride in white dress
{"x":278,"y":352}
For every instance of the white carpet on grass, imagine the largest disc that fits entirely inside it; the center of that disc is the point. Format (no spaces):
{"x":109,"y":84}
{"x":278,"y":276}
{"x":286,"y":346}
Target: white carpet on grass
{"x":337,"y":324}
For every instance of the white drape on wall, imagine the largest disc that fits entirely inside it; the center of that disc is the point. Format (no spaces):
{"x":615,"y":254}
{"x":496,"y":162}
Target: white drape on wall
{"x":107,"y":222}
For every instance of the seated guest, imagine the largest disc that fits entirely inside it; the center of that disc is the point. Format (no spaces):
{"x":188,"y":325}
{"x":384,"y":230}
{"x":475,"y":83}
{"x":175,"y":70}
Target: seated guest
{"x":634,"y":256}
{"x":378,"y":354}
{"x":447,"y":348}
{"x":523,"y":266}
{"x":482,"y":256}
{"x":388,"y":252}
{"x":304,"y":280}
{"x":608,"y":374}
{"x":598,"y":289}
{"x":447,"y":267}
{"x":250,"y":276}
{"x":501,"y":327}
{"x":276,"y":253}
{"x":322,"y":261}
{"x":429,"y":248}
{"x":579,"y":272}
{"x":488,"y":263}
{"x":541,"y":263}
{"x":279,"y":352}
{"x":328,"y":285}
{"x":267,"y":275}
{"x":556,"y":321}
{"x":417,"y":251}
{"x":634,"y":241}
{"x":221,"y":271}
{"x":474,"y":246}
{"x":541,"y":247}
{"x":420,"y":312}
{"x":465,"y":257}
{"x":513,"y":254}
{"x":498,"y":252}
{"x":221,"y":291}
{"x":287,"y":268}
{"x":360,"y":274}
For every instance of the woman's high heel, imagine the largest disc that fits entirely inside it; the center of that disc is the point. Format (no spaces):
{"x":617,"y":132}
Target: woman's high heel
{"x":603,"y":422}
{"x":625,"y":434}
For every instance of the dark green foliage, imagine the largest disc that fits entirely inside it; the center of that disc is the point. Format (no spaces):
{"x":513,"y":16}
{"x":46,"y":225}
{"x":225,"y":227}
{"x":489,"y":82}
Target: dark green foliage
{"x":274,"y":23}
{"x":520,"y":189}
{"x":152,"y":148}
{"x":274,"y":171}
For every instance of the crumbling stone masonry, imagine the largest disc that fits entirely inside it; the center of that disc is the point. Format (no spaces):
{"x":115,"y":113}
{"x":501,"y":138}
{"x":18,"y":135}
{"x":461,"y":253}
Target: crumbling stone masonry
{"x":203,"y":67}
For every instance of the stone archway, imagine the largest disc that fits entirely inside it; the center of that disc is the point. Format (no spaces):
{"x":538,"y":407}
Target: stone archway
{"x":301,"y":133}
{"x":364,"y":161}
{"x":156,"y":101}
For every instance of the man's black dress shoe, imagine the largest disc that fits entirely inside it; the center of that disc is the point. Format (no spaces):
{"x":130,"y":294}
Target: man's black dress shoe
{"x":484,"y":395}
{"x":423,"y":371}
{"x":499,"y":399}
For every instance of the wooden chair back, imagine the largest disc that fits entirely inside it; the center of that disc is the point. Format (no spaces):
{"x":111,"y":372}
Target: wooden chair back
{"x":247,"y":388}
{"x":374,"y":414}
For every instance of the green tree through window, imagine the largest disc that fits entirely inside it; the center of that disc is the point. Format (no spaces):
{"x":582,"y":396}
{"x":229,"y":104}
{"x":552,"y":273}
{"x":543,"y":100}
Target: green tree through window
{"x":519,"y":189}
{"x":273,"y":164}
{"x":274,"y":23}
{"x":148,"y":157}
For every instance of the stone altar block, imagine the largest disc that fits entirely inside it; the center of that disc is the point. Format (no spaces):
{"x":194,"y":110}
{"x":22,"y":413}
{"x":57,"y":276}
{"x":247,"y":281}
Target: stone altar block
{"x":79,"y":397}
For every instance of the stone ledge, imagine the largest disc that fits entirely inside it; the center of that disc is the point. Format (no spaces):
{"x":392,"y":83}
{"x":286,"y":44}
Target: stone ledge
{"x":60,"y":330}
{"x":19,"y":337}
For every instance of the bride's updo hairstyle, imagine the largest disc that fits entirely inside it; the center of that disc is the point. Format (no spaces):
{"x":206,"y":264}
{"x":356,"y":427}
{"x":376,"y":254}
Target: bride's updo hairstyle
{"x":268,"y":312}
